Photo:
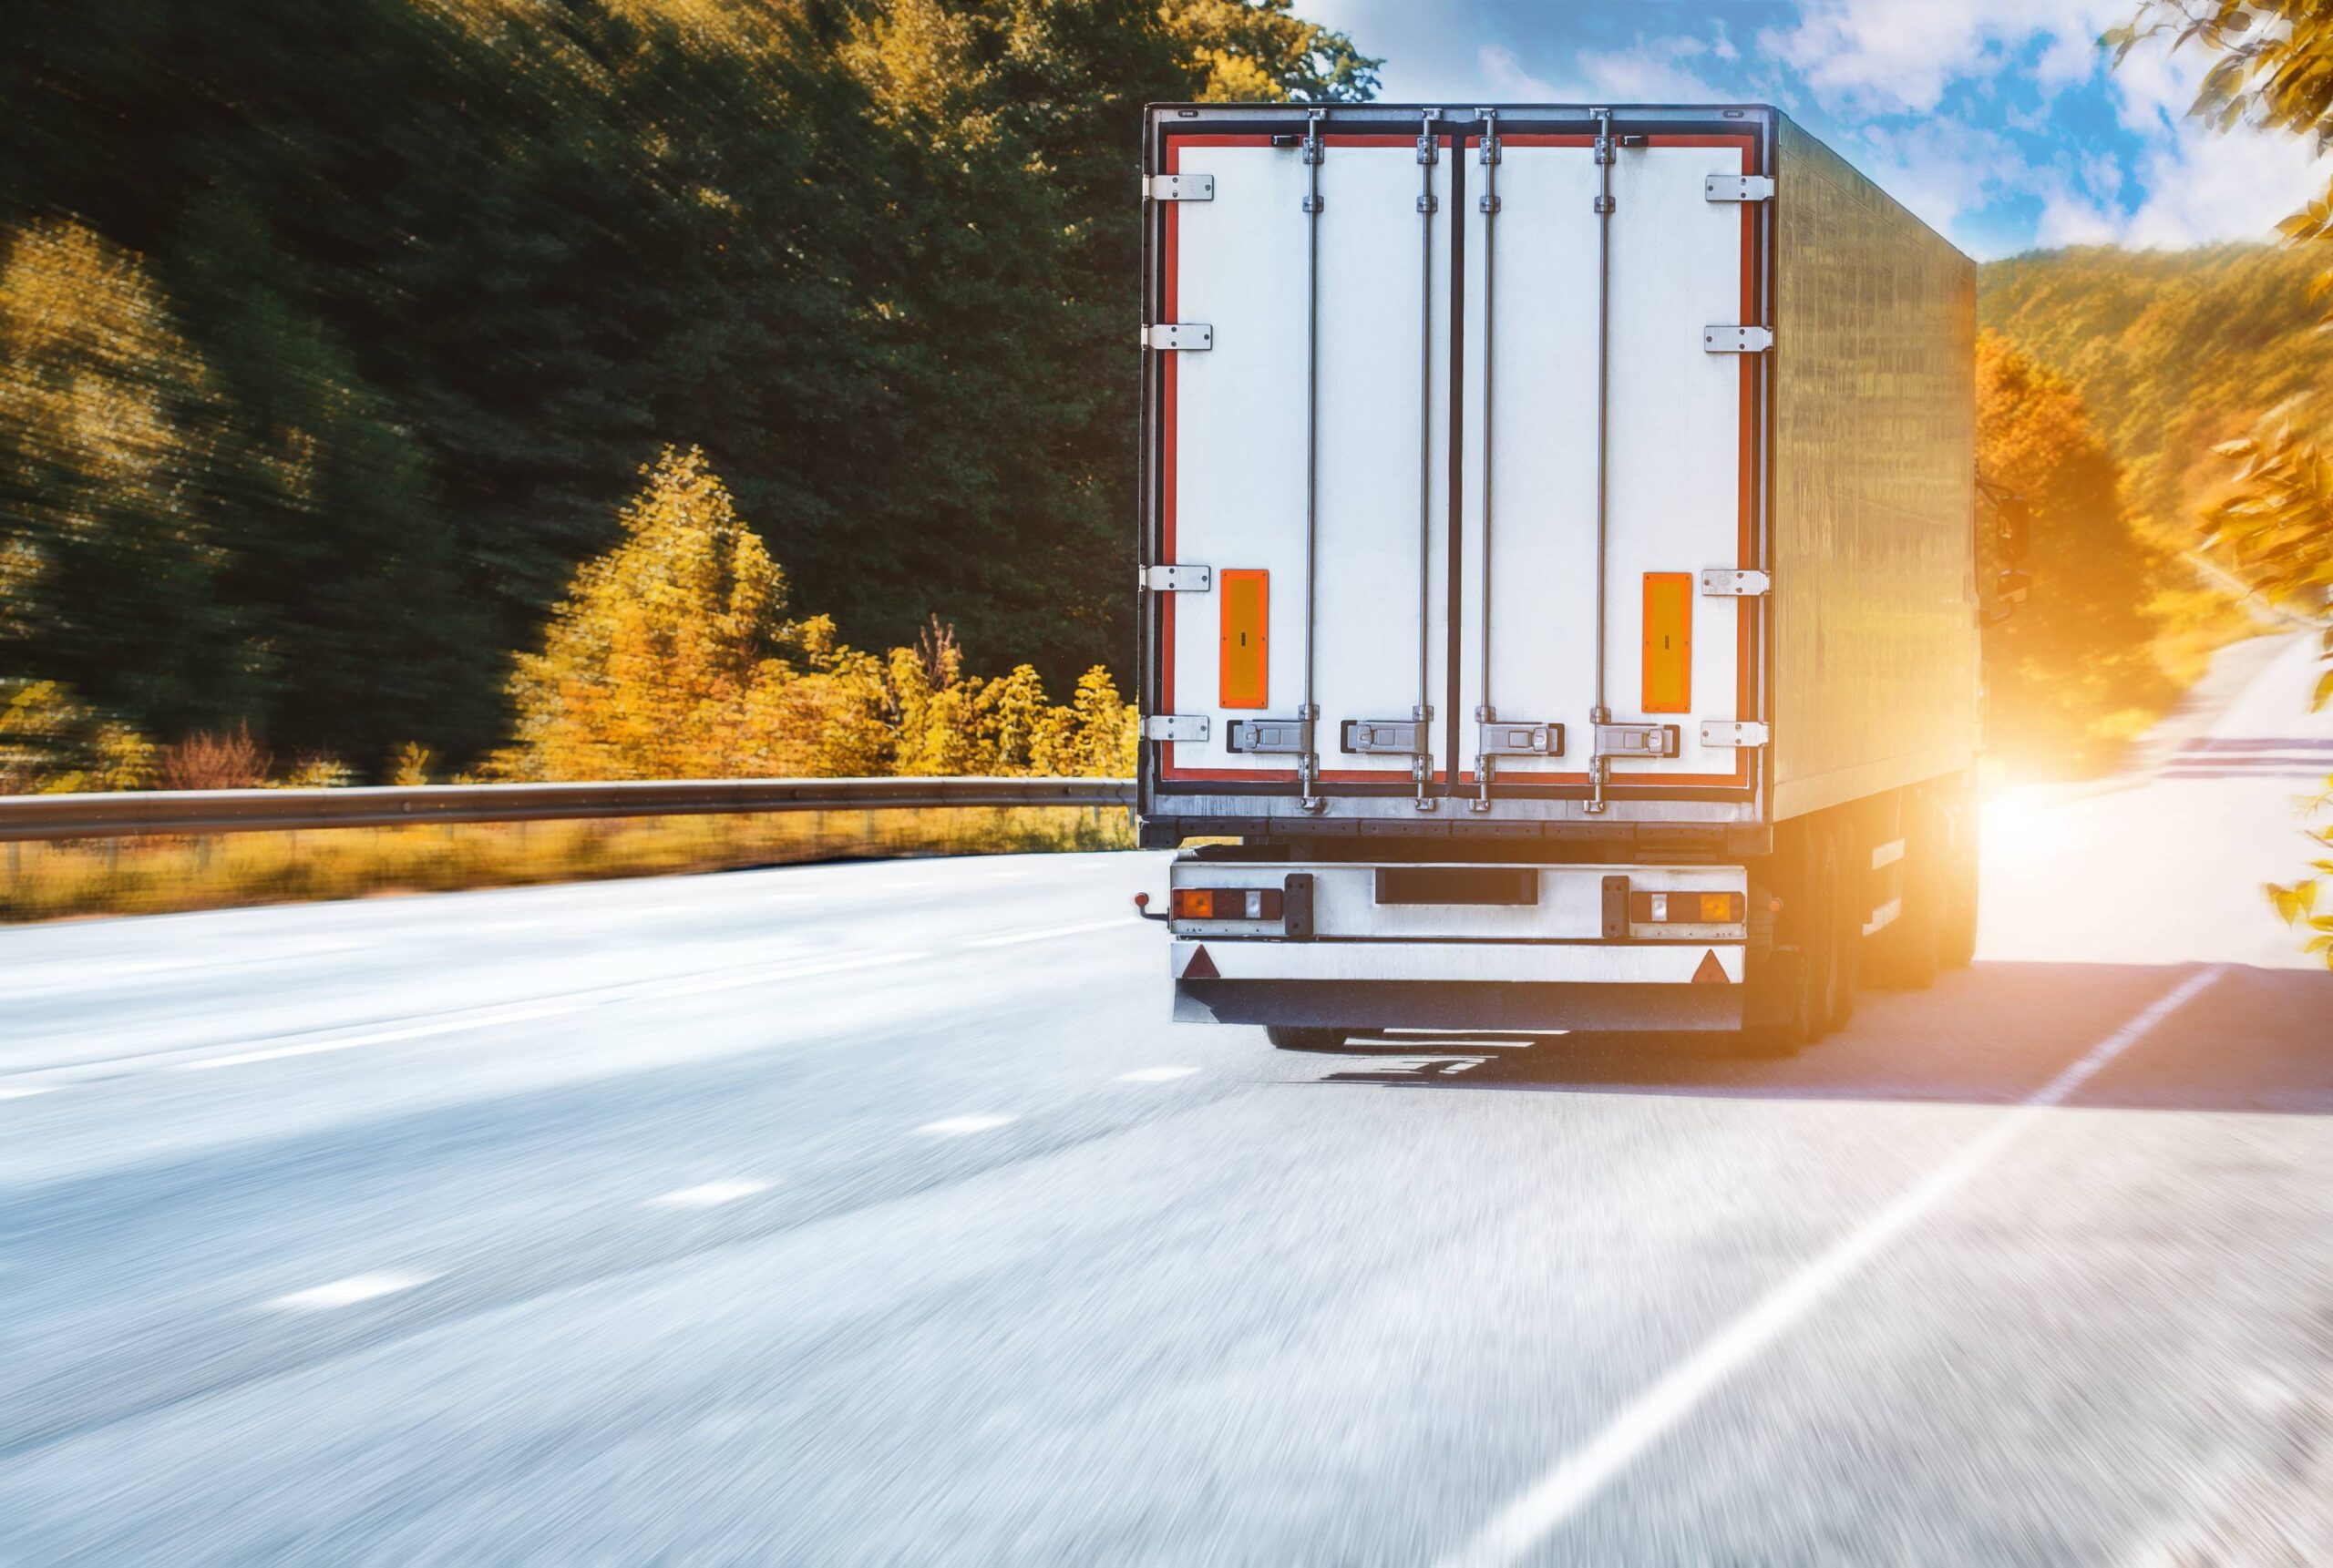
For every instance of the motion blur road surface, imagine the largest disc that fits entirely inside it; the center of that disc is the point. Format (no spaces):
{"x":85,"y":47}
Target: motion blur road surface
{"x":876,"y":1214}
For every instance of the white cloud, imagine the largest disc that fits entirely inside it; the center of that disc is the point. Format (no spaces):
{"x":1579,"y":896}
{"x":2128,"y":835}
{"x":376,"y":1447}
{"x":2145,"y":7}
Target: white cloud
{"x":1650,"y":73}
{"x":1900,"y":57}
{"x":1505,"y":80}
{"x":2201,"y":187}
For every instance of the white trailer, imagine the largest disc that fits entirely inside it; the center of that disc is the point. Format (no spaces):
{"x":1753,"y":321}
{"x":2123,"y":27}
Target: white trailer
{"x":1557,"y":569}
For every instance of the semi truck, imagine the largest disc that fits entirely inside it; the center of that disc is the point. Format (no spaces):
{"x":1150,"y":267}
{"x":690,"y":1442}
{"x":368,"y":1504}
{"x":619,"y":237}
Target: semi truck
{"x":1559,"y":571}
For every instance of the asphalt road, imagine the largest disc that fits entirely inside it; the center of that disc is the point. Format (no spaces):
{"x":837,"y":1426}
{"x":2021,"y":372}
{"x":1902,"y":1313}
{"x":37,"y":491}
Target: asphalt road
{"x":876,"y":1214}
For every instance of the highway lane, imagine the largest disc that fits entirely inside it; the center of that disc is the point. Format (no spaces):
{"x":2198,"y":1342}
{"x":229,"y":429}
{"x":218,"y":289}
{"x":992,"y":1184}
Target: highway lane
{"x":875,"y":1213}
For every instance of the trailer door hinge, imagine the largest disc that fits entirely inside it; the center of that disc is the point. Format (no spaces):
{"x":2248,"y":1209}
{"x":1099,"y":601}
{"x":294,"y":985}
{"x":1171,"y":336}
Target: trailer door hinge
{"x":1737,"y":732}
{"x":1190,"y":337}
{"x":1731,"y":583}
{"x":1737,"y":340}
{"x":1176,"y":727}
{"x":1738,"y":188}
{"x":1179,"y":188}
{"x":1177,"y":579}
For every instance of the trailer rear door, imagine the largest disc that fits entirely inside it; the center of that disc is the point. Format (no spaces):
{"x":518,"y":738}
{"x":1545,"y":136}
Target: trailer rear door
{"x":1235,"y":435}
{"x":1677,"y":432}
{"x":1307,"y":394}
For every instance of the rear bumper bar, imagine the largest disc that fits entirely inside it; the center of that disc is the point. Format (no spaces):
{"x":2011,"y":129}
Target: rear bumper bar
{"x":1513,"y":986}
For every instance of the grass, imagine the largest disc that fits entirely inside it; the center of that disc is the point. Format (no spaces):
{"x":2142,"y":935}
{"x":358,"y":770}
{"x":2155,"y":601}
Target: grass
{"x":157,"y":876}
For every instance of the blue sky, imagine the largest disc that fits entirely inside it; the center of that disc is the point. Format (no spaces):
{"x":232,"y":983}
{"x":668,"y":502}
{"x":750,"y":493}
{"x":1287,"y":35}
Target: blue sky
{"x":1999,"y":122}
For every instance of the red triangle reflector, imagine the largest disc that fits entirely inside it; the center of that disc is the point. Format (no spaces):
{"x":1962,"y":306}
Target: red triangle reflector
{"x":1201,"y":966}
{"x":1711,"y":972}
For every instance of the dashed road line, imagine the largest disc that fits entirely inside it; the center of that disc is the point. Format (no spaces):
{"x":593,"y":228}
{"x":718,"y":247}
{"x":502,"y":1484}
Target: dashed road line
{"x":1155,"y":1074}
{"x":711,"y":1194}
{"x":348,"y":1292}
{"x":959,"y":1126}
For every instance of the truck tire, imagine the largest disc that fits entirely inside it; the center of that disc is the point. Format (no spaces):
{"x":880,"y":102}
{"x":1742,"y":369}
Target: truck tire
{"x":1294,"y":1037}
{"x":1956,"y":931}
{"x":1907,"y":948}
{"x":1843,"y":875}
{"x":1789,"y":1006}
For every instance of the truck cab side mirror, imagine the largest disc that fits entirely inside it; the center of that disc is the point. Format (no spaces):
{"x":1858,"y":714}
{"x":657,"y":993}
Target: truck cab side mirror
{"x":2013,"y":587}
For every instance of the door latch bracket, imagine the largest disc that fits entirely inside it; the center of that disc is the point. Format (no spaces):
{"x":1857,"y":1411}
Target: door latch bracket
{"x":1177,"y":579}
{"x":1277,"y":737}
{"x":1637,"y":741}
{"x":1737,"y":339}
{"x":1189,"y":337}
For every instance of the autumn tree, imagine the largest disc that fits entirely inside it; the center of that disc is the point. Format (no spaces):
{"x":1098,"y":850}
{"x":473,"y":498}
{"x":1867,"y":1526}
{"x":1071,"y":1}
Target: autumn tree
{"x":2274,"y":72}
{"x":2070,"y":675}
{"x":108,"y":567}
{"x":673,"y":657}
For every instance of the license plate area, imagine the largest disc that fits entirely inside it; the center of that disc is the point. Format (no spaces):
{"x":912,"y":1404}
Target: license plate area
{"x":1503,"y":886}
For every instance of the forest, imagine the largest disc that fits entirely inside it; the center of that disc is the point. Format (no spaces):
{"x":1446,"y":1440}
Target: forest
{"x":336,"y":339}
{"x":408,"y":379}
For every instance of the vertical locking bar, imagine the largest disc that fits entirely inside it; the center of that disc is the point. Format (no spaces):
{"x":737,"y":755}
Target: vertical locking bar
{"x":1597,"y":765}
{"x":1422,"y":762}
{"x":1308,"y":763}
{"x":1484,"y":712}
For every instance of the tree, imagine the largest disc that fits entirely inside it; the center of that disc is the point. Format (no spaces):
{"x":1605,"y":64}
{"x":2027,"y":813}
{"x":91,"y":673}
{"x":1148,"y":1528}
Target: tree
{"x":2071,"y":675}
{"x":108,"y":424}
{"x":2276,"y":72}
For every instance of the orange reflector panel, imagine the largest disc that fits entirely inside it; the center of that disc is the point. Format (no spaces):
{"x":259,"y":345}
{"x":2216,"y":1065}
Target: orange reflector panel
{"x":1668,"y":643}
{"x":1685,"y":908}
{"x":1243,"y":662}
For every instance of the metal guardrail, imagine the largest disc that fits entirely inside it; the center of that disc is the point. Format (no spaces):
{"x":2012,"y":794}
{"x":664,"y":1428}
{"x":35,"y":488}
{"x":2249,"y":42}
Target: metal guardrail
{"x":142,"y":813}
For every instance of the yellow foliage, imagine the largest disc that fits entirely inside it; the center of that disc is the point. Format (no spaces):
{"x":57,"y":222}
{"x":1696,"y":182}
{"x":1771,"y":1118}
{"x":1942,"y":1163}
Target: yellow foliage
{"x":50,"y":745}
{"x":671,"y":658}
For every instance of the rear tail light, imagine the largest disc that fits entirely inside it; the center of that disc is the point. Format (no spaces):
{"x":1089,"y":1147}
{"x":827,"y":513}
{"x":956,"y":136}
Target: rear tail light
{"x":1227,"y":903}
{"x":1686,"y":909}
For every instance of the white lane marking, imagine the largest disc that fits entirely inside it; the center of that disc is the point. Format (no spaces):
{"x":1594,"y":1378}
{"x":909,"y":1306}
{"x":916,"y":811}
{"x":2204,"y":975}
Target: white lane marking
{"x":711,"y":1194}
{"x":20,"y":1093}
{"x":1155,"y":1074}
{"x":957,"y":1126}
{"x":1525,"y":1522}
{"x":348,"y":1292}
{"x":1049,"y":931}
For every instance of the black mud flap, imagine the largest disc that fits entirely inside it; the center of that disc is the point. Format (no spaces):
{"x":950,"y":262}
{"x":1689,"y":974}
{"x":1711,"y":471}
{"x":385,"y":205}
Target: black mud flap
{"x":1773,"y":989}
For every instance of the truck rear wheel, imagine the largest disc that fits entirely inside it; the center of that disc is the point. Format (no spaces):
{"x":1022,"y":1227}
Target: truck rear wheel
{"x":1789,"y":1004}
{"x":1294,"y":1037}
{"x":1956,"y":931}
{"x":1843,"y":862}
{"x":1908,"y":948}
